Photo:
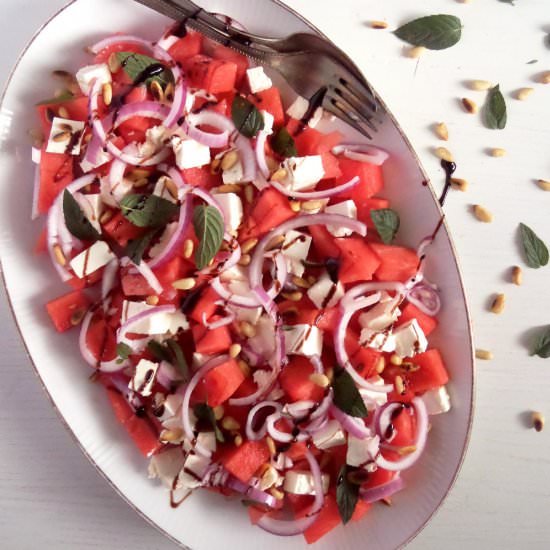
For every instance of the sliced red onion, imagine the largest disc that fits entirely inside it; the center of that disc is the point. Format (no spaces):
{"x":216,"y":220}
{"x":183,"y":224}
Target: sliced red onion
{"x":93,"y":150}
{"x":223,"y":322}
{"x":175,"y":175}
{"x":109,"y":277}
{"x":382,"y":419}
{"x":234,"y":299}
{"x":375,"y":494}
{"x":167,"y":374}
{"x":279,"y":435}
{"x":295,"y":527}
{"x":298,"y":409}
{"x":257,"y":435}
{"x":425,"y":297}
{"x":82,"y":343}
{"x":248,"y":158}
{"x":145,"y":271}
{"x":36,"y":157}
{"x":215,"y":141}
{"x":354,"y":426}
{"x":317,"y":364}
{"x":421,"y":436}
{"x":120,"y":39}
{"x":312,"y":195}
{"x":323,"y":407}
{"x":251,"y":493}
{"x":260,"y":154}
{"x":118,"y":167}
{"x":142,"y":109}
{"x":186,"y":420}
{"x":362,"y":153}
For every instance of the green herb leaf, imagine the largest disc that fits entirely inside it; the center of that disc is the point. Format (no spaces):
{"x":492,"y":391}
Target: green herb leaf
{"x":178,"y":357}
{"x":346,"y":395}
{"x":283,"y":144}
{"x":542,"y":344}
{"x":387,"y":223}
{"x":495,"y":109}
{"x":76,"y":221}
{"x":206,"y":413}
{"x":536,"y":252}
{"x":148,"y":210}
{"x":347,"y":495}
{"x":123,"y":351}
{"x":62,"y":98}
{"x":435,"y":32}
{"x":208,"y":224}
{"x":159,"y":352}
{"x":134,"y":65}
{"x":137,"y":247}
{"x":248,"y":120}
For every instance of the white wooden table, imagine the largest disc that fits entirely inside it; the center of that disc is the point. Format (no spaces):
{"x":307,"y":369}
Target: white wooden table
{"x":51,"y":497}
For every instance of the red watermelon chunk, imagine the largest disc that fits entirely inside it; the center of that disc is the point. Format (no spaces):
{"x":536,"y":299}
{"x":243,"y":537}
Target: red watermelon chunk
{"x":396,"y":262}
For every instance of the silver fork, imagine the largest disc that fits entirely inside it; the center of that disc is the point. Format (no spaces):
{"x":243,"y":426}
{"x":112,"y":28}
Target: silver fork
{"x":315,"y":68}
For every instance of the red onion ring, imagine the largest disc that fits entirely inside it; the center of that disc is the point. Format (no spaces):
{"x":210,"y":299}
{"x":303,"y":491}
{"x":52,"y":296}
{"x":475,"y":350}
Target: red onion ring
{"x":108,"y":279}
{"x":316,"y":194}
{"x":257,"y":435}
{"x":220,"y":323}
{"x":119,"y":38}
{"x":142,"y":109}
{"x":215,"y":141}
{"x":422,"y":423}
{"x":260,"y":154}
{"x":94,"y":148}
{"x":251,"y":493}
{"x":295,"y":527}
{"x":280,"y":436}
{"x":37,"y":155}
{"x":145,"y":271}
{"x":375,"y":494}
{"x":382,"y":419}
{"x":425,"y":297}
{"x":362,"y":153}
{"x":354,"y":426}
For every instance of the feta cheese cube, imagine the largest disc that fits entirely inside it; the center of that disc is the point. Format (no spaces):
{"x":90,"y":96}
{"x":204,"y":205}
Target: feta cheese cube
{"x":206,"y":440}
{"x":316,"y":118}
{"x":381,"y":341}
{"x":233,"y":175}
{"x":236,"y":273}
{"x":64,"y":133}
{"x":92,"y":259}
{"x":382,"y":315}
{"x":303,"y":172}
{"x":263,"y":343}
{"x":193,"y":470}
{"x":269,"y":120}
{"x":437,"y":401}
{"x":301,"y":483}
{"x":166,"y":466}
{"x":92,"y":206}
{"x":304,"y":340}
{"x":374,"y":399}
{"x":199,"y":359}
{"x":296,"y":249}
{"x":258,"y":81}
{"x":102,"y":158}
{"x":88,"y":74}
{"x":166,"y":42}
{"x":113,"y":194}
{"x":144,"y":378}
{"x":161,"y":189}
{"x":190,"y":153}
{"x":409,"y":339}
{"x":347,"y":209}
{"x":232,"y":208}
{"x":171,"y":405}
{"x":249,"y":314}
{"x":330,"y":436}
{"x":159,"y":323}
{"x":324,"y":293}
{"x":362,"y":451}
{"x":298,"y":109}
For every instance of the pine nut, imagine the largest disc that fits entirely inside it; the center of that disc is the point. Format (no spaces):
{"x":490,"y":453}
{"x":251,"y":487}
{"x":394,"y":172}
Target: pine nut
{"x":319,"y":380}
{"x":311,"y":279}
{"x":399,"y":385}
{"x":484,"y":354}
{"x":77,"y":316}
{"x":310,"y":206}
{"x":171,"y":188}
{"x":188,"y":247}
{"x":459,"y":184}
{"x":184,"y":284}
{"x":538,"y":421}
{"x":234,"y":350}
{"x":279,"y":495}
{"x":409,"y":367}
{"x":59,"y":256}
{"x":517,"y":275}
{"x":169,"y":92}
{"x":498,"y":152}
{"x":249,"y":194}
{"x":279,"y":175}
{"x":295,"y":206}
{"x":387,"y":501}
{"x":544,"y":185}
{"x":114,"y":63}
{"x":245,"y":260}
{"x":415,"y":52}
{"x":156,"y":90}
{"x":219,"y":411}
{"x":292,"y":296}
{"x":247,"y":246}
{"x":62,"y":136}
{"x":498,"y":304}
{"x":228,"y":188}
{"x":442,"y":131}
{"x":245,"y":368}
{"x":215,"y":166}
{"x":330,"y":374}
{"x":271,"y":445}
{"x":238,"y":441}
{"x":470,"y":106}
{"x":379,"y":25}
{"x":152,"y":300}
{"x":229,"y":160}
{"x":63,"y":113}
{"x":482,"y":214}
{"x":272,"y":164}
{"x":275,"y":243}
{"x":444,"y":154}
{"x":480,"y":85}
{"x":545,"y":78}
{"x":396,"y":360}
{"x":247,"y":329}
{"x":268,"y":478}
{"x":300,"y":282}
{"x":62,"y":74}
{"x":380,"y":365}
{"x":106,"y":217}
{"x":523,"y":93}
{"x":407,"y":450}
{"x":170,"y":436}
{"x":230,"y":424}
{"x":139,"y":183}
{"x":107,"y":93}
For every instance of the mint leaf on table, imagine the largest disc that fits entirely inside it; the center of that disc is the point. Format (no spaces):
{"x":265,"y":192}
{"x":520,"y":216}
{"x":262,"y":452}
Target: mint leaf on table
{"x":347,"y":495}
{"x":542,"y":344}
{"x":248,"y":120}
{"x":536,"y":252}
{"x":346,"y":395}
{"x":435,"y":32}
{"x":387,"y":223}
{"x":205,"y":413}
{"x":135,"y":65}
{"x":208,"y":224}
{"x":148,"y":210}
{"x":283,"y":143}
{"x":76,"y":221}
{"x":495,"y":110}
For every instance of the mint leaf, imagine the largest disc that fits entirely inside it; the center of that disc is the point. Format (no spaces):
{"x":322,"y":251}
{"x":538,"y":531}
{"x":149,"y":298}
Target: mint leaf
{"x":387,"y":223}
{"x":495,"y":110}
{"x":542,"y":345}
{"x":435,"y":32}
{"x":283,"y":143}
{"x":536,"y":252}
{"x":159,"y":352}
{"x":148,"y":210}
{"x":248,"y":120}
{"x":208,"y":224}
{"x":206,"y":413}
{"x":123,"y":351}
{"x":136,"y":248}
{"x":135,"y":66}
{"x":178,"y":357}
{"x":347,"y":495}
{"x":76,"y":221}
{"x":346,"y":395}
{"x":64,"y":97}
